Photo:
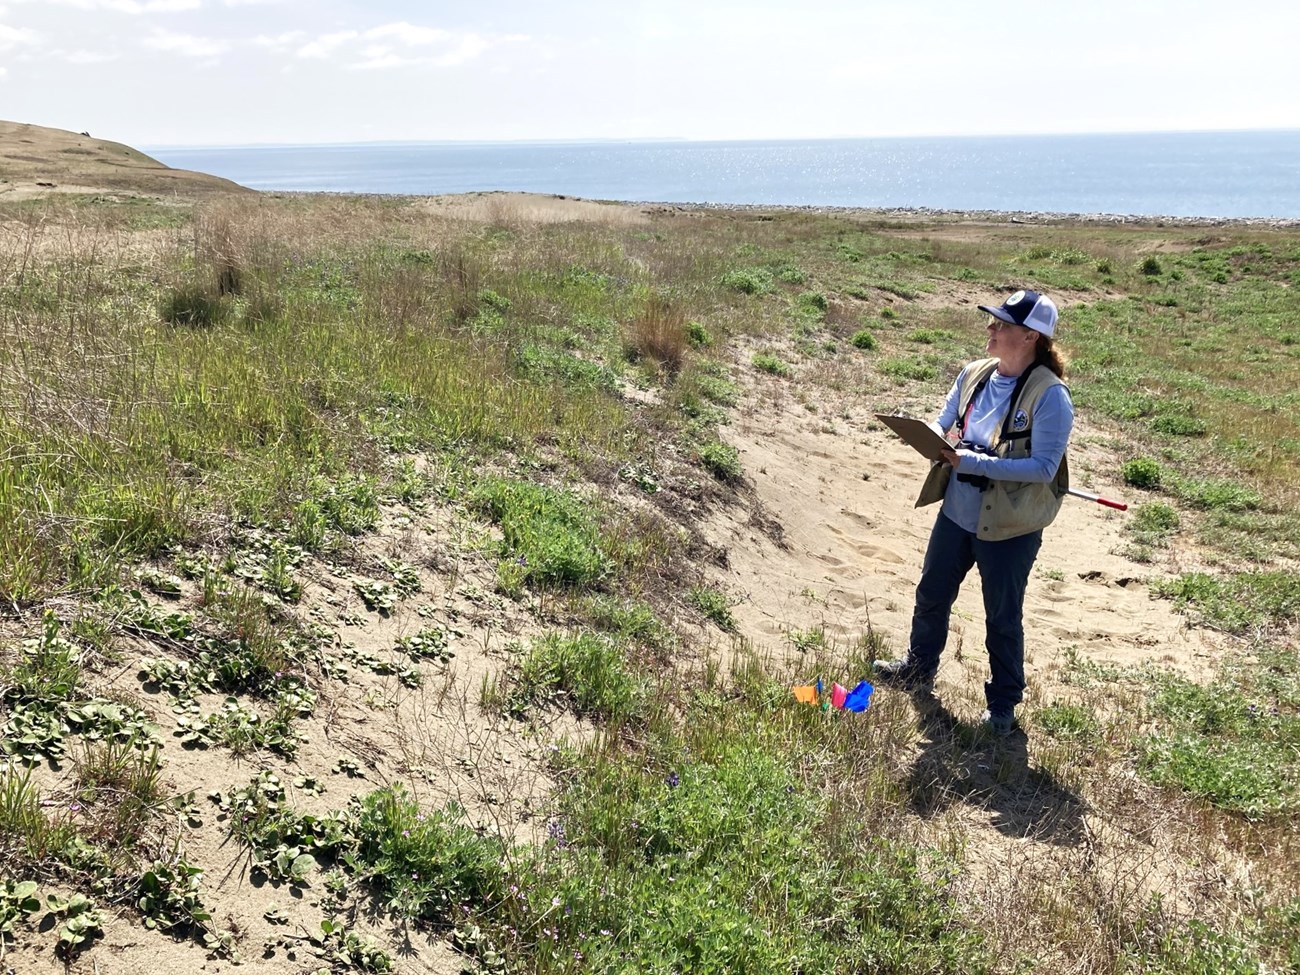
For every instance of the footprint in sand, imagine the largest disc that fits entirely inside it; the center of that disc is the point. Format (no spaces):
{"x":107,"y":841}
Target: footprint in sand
{"x":856,"y":518}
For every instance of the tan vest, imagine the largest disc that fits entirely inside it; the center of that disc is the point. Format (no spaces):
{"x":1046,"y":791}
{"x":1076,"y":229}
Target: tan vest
{"x":1007,"y":508}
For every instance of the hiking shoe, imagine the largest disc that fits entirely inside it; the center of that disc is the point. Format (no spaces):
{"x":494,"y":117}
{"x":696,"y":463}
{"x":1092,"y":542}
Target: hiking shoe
{"x":1000,"y":723}
{"x":900,"y":674}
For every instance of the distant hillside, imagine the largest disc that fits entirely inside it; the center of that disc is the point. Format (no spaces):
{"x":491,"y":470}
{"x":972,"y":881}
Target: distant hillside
{"x":35,"y":161}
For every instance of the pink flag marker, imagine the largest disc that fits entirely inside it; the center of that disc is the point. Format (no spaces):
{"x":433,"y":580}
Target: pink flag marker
{"x":838,"y":694}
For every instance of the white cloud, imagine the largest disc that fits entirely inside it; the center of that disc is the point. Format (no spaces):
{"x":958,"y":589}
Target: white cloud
{"x":408,"y":34}
{"x":151,"y":6}
{"x":133,"y":7}
{"x":84,"y":57}
{"x":399,"y":44}
{"x":185,"y":44}
{"x":279,"y":41}
{"x":11,"y":37}
{"x":470,"y":47}
{"x":3,"y":72}
{"x":324,"y":45}
{"x":384,"y":61}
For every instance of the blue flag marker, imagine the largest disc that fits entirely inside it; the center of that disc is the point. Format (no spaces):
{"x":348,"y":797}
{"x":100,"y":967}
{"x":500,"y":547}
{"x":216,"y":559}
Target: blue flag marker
{"x":859,"y":699}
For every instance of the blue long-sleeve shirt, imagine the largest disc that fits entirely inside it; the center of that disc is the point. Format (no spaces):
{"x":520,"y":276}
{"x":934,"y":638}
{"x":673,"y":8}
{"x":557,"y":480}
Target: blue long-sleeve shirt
{"x":1053,"y":421}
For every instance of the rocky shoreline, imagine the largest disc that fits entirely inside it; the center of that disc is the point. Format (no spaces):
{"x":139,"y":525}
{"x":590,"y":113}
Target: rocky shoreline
{"x":982,"y":216}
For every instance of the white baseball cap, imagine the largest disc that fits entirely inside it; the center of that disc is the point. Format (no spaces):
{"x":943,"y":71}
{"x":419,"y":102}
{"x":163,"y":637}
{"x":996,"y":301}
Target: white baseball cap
{"x":1027,"y":308}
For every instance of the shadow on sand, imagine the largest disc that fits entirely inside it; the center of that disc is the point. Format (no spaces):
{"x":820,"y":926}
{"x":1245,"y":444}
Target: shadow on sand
{"x":959,"y":762}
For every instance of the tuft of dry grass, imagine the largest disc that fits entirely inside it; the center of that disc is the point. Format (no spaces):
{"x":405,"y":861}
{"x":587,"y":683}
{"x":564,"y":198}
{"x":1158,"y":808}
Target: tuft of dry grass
{"x":658,"y":333}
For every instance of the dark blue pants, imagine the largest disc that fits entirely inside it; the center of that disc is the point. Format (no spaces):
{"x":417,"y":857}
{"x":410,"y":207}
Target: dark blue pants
{"x":1004,"y":573}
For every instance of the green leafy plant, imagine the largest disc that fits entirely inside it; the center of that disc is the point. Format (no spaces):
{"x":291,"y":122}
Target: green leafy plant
{"x":170,"y":897}
{"x":1068,"y":721}
{"x":379,"y":597}
{"x":714,"y":605}
{"x":351,"y":951}
{"x":864,"y":340}
{"x":430,"y":643}
{"x":425,"y":864}
{"x":697,"y":335}
{"x":1142,"y":472}
{"x":771,"y":364}
{"x":749,"y":280}
{"x":549,"y":536}
{"x":49,"y":667}
{"x":721,"y":460}
{"x":82,"y":922}
{"x":18,"y":901}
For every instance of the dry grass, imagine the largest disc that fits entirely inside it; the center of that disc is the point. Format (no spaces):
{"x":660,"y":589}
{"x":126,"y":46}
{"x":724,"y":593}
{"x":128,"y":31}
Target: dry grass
{"x":659,"y":334}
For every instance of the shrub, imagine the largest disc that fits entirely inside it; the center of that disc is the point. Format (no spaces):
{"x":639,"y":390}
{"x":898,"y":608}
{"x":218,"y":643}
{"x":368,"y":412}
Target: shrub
{"x":748,"y":280}
{"x":813,"y":302}
{"x":929,"y":336}
{"x":1150,"y":266}
{"x":721,"y":460}
{"x":424,"y":863}
{"x":767,"y":362}
{"x":714,"y":606}
{"x":1142,"y":472}
{"x":1068,"y":721}
{"x":864,"y":340}
{"x":1178,"y":419}
{"x":718,"y":390}
{"x":1179,"y":426}
{"x":1070,"y":257}
{"x":1155,"y":519}
{"x":697,"y":335}
{"x":1239,"y":602}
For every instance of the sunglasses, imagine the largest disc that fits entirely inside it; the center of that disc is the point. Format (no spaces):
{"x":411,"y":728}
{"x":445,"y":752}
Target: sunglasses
{"x":999,"y":325}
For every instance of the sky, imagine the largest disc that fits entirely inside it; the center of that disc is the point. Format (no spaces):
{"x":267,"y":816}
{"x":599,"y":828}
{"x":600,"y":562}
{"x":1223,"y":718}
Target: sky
{"x":154,"y":73}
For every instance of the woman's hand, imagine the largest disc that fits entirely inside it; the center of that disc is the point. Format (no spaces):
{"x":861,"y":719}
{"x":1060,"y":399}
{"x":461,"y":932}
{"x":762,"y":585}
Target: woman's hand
{"x":950,"y":457}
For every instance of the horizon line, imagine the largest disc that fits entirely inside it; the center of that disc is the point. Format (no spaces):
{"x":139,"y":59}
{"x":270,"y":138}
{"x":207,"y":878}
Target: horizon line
{"x":623,"y":140}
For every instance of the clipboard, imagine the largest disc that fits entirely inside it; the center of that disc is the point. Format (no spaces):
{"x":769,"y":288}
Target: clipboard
{"x":917,"y":433}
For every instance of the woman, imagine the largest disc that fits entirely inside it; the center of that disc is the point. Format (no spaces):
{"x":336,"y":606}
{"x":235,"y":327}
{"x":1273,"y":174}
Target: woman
{"x":1013,"y":417}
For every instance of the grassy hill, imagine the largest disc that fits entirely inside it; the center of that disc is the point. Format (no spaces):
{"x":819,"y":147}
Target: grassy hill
{"x":36,"y":161}
{"x":368,"y":596}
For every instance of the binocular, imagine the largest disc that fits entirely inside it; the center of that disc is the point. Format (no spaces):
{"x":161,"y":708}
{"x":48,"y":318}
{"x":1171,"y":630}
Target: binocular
{"x":980,"y":481}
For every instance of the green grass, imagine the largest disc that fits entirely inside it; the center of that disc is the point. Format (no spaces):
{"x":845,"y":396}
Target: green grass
{"x":550,"y":536}
{"x":771,"y":364}
{"x":589,"y":672}
{"x":908,"y":369}
{"x":1068,"y":721}
{"x":709,"y":853}
{"x":222,"y":423}
{"x":1239,"y":602}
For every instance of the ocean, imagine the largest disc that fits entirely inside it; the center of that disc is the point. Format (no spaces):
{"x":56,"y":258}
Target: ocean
{"x":1178,"y":174}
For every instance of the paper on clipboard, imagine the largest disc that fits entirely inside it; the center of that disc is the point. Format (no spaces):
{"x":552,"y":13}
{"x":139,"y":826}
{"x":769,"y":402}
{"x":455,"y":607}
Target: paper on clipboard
{"x":919,"y":434}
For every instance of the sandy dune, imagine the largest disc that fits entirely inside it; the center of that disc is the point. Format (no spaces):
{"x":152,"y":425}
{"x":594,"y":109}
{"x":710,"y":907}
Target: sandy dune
{"x":850,"y":546}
